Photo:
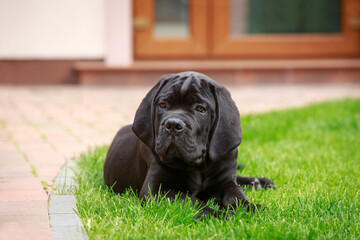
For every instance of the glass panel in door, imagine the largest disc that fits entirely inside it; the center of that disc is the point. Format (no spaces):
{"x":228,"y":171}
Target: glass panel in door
{"x":171,"y":19}
{"x":249,"y":17}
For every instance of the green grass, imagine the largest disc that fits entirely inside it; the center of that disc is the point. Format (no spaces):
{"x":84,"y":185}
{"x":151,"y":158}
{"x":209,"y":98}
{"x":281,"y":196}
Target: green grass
{"x":33,"y":171}
{"x":312,"y":153}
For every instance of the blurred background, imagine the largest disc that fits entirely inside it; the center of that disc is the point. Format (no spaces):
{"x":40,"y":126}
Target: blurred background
{"x":133,"y":42}
{"x":271,"y":54}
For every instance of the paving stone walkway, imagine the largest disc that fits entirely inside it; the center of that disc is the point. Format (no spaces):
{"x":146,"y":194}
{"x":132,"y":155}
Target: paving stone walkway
{"x":42,"y":128}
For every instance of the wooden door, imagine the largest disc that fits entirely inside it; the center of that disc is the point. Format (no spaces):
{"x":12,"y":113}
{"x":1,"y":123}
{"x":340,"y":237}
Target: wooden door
{"x":246,"y":29}
{"x":286,"y":28}
{"x":170,"y":29}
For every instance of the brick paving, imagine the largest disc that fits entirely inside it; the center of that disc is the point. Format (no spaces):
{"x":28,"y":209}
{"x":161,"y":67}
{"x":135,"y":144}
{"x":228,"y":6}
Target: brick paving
{"x":41,"y":128}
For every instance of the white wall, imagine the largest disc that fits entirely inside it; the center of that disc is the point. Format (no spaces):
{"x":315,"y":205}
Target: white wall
{"x":118,"y":25}
{"x":52,"y":29}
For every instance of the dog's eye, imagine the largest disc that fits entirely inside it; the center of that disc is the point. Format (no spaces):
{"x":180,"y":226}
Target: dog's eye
{"x":200,"y":109}
{"x":162,"y":105}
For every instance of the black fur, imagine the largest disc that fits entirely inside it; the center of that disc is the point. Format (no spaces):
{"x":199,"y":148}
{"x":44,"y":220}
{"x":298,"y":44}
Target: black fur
{"x":184,"y":139}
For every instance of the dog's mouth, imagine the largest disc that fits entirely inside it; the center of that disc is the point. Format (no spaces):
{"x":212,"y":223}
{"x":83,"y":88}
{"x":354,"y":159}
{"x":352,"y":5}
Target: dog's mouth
{"x":181,"y":164}
{"x":173,"y":158}
{"x":198,"y":161}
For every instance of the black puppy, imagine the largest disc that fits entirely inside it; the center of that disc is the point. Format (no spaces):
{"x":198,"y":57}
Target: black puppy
{"x":184,"y":139}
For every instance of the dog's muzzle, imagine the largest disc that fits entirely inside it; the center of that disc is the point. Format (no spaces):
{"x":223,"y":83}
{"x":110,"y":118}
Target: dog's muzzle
{"x":174,"y":126}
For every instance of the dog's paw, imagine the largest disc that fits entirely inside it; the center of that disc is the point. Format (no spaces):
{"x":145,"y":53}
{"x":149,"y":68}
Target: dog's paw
{"x":256,"y":184}
{"x":206,"y":214}
{"x":252,"y":207}
{"x":266,"y":183}
{"x":259,"y":183}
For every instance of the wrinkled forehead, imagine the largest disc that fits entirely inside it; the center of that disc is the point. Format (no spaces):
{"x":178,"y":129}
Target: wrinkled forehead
{"x":187,"y":83}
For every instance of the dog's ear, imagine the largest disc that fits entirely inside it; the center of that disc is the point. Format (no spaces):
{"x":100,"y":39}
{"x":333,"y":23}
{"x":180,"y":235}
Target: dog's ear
{"x":226,"y":134}
{"x":143,"y":125}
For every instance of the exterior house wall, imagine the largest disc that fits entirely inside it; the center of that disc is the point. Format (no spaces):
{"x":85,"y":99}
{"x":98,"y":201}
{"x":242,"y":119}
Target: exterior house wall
{"x":42,"y":42}
{"x":52,"y":29}
{"x":119,"y":33}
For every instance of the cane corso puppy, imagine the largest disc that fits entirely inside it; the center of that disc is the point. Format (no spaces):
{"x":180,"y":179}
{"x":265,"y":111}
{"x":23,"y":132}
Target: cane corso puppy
{"x":183,"y":140}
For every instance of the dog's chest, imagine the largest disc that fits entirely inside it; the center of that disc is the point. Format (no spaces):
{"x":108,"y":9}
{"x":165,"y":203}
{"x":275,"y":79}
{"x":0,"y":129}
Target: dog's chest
{"x":196,"y":183}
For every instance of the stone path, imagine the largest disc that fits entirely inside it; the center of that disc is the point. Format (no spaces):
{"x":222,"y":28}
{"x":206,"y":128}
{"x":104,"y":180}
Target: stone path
{"x":42,"y":128}
{"x":64,"y":222}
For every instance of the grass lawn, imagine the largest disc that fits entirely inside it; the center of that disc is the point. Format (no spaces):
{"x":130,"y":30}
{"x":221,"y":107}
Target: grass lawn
{"x":312,"y":154}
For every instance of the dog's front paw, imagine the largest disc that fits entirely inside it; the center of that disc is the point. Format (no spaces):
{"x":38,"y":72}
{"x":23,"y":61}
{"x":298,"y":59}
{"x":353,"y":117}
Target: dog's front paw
{"x":253,"y":207}
{"x":207,"y":213}
{"x":266,"y":183}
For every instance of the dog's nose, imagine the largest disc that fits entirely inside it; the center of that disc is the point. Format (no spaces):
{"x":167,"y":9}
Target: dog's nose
{"x":174,"y":126}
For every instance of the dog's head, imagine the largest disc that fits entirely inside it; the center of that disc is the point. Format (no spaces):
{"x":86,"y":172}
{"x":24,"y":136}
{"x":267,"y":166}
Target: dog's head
{"x":188,"y":118}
